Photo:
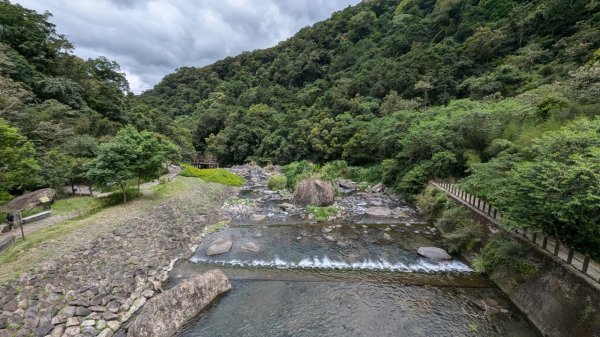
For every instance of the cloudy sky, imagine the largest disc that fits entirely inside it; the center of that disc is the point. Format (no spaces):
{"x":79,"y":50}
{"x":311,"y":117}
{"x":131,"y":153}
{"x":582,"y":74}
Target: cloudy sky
{"x":151,"y":38}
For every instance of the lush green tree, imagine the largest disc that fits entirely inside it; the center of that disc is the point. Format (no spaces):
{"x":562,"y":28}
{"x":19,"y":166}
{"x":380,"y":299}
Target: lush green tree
{"x":18,"y":166}
{"x":554,"y":185}
{"x":131,"y":154}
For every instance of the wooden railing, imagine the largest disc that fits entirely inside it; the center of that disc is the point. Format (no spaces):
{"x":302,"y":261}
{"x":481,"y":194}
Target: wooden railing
{"x":578,"y":262}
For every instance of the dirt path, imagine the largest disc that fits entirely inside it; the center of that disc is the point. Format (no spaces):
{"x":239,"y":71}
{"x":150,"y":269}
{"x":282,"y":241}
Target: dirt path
{"x":55,"y":219}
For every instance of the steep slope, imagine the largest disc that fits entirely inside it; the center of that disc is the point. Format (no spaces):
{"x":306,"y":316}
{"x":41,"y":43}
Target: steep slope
{"x":309,"y":96}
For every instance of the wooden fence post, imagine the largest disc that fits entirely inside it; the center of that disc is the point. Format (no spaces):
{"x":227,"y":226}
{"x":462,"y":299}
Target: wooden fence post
{"x":534,"y":237}
{"x":545,"y":243}
{"x":556,"y":247}
{"x":495,"y":213}
{"x":570,"y":257}
{"x":586,"y":262}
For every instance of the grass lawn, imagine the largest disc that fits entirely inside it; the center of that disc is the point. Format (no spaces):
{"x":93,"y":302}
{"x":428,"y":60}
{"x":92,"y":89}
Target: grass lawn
{"x":220,"y":176}
{"x":69,"y":205}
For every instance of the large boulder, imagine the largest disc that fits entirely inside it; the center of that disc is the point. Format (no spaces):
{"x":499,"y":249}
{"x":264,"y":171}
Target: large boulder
{"x":167,"y":312}
{"x":434,"y":253}
{"x":379,"y":212}
{"x":220,"y":246}
{"x":314,"y":192}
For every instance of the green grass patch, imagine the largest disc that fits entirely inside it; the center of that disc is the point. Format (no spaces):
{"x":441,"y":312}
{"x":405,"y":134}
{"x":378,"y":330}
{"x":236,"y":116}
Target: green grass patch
{"x":36,"y":238}
{"x":220,"y":176}
{"x":32,"y":211}
{"x":64,"y":206}
{"x":323,"y":213}
{"x":217,"y":227}
{"x":501,"y":251}
{"x":277,"y":182}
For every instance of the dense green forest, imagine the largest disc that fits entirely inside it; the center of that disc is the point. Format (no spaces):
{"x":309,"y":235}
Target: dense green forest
{"x":56,"y":109}
{"x":422,"y":89}
{"x":504,"y":93}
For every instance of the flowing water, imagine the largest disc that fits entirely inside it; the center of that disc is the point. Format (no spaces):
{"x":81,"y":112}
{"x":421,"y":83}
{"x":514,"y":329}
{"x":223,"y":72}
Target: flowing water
{"x":345,"y":279}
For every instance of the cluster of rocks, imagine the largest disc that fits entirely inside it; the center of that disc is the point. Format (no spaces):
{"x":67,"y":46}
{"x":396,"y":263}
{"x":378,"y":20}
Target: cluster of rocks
{"x":259,"y":204}
{"x":97,"y":288}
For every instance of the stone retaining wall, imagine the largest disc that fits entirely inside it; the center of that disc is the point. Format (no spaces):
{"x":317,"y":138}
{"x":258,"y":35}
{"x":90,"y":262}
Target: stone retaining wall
{"x":96,"y":288}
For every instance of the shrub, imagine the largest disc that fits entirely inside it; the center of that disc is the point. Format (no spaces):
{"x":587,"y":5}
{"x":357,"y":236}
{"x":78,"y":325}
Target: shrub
{"x":464,"y":238}
{"x":501,"y":251}
{"x":220,"y":176}
{"x":298,"y":171}
{"x":323,"y":213}
{"x":453,"y":218}
{"x":339,"y":169}
{"x":334,"y":170}
{"x":414,"y":181}
{"x":432,"y":202}
{"x":277,"y":182}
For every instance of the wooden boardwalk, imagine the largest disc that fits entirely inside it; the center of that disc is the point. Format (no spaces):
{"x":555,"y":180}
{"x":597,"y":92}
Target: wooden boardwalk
{"x":576,"y":262}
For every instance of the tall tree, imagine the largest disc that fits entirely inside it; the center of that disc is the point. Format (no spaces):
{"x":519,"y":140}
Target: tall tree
{"x":18,"y":167}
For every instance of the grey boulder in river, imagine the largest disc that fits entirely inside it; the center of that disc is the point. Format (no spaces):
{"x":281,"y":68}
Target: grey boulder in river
{"x":166,"y":313}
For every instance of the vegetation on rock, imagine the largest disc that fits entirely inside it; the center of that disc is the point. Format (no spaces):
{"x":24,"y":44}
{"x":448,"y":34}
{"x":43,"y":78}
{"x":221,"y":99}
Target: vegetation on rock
{"x":323,"y":213}
{"x":277,"y":182}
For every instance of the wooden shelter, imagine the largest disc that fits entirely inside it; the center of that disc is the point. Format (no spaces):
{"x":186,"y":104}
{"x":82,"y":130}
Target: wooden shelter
{"x":204,"y":161}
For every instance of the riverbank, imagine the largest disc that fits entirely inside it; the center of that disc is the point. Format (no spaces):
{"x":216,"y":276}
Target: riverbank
{"x":94,"y":273}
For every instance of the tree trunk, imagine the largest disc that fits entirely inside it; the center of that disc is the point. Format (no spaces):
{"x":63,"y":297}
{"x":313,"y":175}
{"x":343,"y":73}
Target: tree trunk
{"x":124,"y":193}
{"x":91,"y":191}
{"x":139,"y":181}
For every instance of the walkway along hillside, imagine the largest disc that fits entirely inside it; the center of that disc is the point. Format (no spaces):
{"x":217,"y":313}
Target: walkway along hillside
{"x":561,"y":296}
{"x":576,"y":262}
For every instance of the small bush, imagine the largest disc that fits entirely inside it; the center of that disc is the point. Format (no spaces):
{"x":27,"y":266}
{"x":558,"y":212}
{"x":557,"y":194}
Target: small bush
{"x":323,"y":213}
{"x":500,"y":251}
{"x":372,"y":174}
{"x":220,"y":176}
{"x":452,"y":219}
{"x":432,"y":202}
{"x":334,"y":170}
{"x":298,"y":171}
{"x":464,"y":238}
{"x":277,"y":182}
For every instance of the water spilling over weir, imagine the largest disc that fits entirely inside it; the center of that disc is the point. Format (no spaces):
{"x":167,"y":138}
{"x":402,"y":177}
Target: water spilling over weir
{"x":345,"y":278}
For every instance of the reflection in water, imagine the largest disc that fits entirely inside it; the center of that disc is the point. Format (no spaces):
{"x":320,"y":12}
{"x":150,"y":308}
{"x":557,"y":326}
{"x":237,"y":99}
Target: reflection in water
{"x":345,"y":280}
{"x":279,"y":308}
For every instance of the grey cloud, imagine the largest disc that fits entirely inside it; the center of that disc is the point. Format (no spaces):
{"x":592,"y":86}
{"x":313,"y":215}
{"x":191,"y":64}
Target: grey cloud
{"x":151,"y":38}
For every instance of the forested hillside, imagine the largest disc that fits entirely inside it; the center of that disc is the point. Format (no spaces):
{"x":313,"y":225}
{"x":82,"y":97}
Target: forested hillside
{"x":56,"y":108}
{"x":421,"y":89}
{"x":504,"y":93}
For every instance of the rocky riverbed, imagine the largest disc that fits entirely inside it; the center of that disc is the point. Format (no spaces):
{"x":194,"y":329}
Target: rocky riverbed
{"x":256,"y":203}
{"x":372,"y":269}
{"x":98,"y":284}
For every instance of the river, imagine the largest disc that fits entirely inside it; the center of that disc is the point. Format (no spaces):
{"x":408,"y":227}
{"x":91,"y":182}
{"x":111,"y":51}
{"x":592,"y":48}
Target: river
{"x":353,"y":276}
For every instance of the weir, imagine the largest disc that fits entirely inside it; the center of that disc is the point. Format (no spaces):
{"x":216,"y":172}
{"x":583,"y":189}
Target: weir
{"x":342,"y":277}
